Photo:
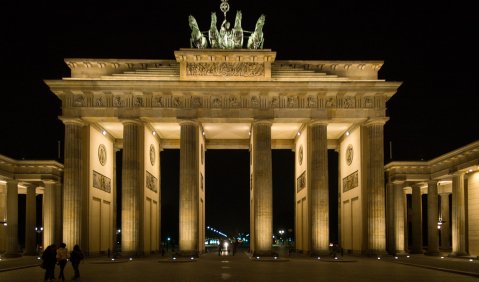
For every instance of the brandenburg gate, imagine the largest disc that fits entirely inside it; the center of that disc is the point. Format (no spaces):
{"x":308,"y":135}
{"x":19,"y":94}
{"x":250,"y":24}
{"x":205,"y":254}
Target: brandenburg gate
{"x":215,"y":99}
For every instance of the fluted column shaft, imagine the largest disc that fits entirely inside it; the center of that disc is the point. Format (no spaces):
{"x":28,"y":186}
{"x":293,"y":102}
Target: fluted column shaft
{"x":49,"y":214}
{"x":262,"y":188}
{"x":376,"y":215}
{"x":12,"y":249}
{"x":446,"y":222}
{"x":416,"y":220}
{"x":432,"y":218}
{"x":131,"y":188}
{"x":30,"y":221}
{"x":319,"y":189}
{"x":189,"y":193}
{"x":398,"y":217}
{"x":58,"y":214}
{"x":458,"y":215}
{"x":73,"y":190}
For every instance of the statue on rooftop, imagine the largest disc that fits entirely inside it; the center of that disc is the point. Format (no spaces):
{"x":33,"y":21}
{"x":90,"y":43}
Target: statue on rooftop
{"x":256,"y":39}
{"x":227,"y":37}
{"x":197,"y":40}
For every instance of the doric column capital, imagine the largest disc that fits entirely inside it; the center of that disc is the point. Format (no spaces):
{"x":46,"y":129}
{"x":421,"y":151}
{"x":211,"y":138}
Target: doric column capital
{"x":131,"y":121}
{"x":432,"y":182}
{"x":376,"y":121}
{"x":262,"y":122}
{"x":398,"y":179}
{"x":188,"y":122}
{"x":316,"y":122}
{"x":73,"y":121}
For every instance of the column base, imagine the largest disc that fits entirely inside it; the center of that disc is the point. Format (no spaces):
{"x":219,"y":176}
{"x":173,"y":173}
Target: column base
{"x":458,"y":254}
{"x":187,"y":254}
{"x":432,"y":253}
{"x":268,"y":253}
{"x":413,"y":251}
{"x":11,"y":255}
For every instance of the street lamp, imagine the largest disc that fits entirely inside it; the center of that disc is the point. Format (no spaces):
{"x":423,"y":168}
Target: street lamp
{"x":281,"y":232}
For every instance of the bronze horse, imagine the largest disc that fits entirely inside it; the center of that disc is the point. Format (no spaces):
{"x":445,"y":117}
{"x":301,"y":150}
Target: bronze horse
{"x":256,"y":39}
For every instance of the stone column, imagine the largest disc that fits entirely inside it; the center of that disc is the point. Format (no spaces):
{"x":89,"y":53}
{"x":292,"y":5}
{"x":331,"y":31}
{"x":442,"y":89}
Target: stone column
{"x":374,"y":190}
{"x":318,"y":185}
{"x":416,"y":247}
{"x":458,"y":215}
{"x":58,"y":214}
{"x":390,"y":223}
{"x":262,"y":188}
{"x":446,"y":222}
{"x":398,"y":206}
{"x":132,"y":186}
{"x":189,"y":190}
{"x":406,"y":223}
{"x":432,"y":219}
{"x":74,"y":183}
{"x":12,"y":249}
{"x":30,"y":221}
{"x":49,"y":214}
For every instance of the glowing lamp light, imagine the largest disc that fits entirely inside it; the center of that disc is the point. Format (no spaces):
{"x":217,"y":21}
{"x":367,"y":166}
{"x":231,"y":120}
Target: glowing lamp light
{"x":103,"y":132}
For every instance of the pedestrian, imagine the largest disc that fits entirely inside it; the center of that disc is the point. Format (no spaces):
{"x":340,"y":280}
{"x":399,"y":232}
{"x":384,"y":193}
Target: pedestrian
{"x":76,"y":256}
{"x":219,"y":248}
{"x":49,"y":261}
{"x":62,"y":259}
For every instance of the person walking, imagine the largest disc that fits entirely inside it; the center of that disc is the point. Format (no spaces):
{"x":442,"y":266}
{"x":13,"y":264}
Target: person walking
{"x":49,"y":261}
{"x":76,"y":256}
{"x":62,"y":259}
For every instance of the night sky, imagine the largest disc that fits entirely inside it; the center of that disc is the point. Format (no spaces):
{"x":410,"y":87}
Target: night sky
{"x":427,"y":47}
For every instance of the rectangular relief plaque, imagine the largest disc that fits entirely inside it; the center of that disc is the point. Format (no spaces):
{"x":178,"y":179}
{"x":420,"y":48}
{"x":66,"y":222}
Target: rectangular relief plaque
{"x":350,"y":181}
{"x":301,"y":182}
{"x":151,"y":182}
{"x":101,"y":182}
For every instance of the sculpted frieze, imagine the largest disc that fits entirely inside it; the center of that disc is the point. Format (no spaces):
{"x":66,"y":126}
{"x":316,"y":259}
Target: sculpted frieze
{"x":100,"y":101}
{"x":216,"y":102}
{"x":221,"y":101}
{"x":196,"y":102}
{"x":244,"y":69}
{"x":118,"y":101}
{"x":234,"y":102}
{"x":312,"y":102}
{"x":348,"y":102}
{"x":78,"y":100}
{"x":138,"y":101}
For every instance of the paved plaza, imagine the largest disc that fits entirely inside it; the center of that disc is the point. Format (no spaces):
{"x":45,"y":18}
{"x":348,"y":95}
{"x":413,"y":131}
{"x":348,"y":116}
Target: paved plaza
{"x":211,"y":267}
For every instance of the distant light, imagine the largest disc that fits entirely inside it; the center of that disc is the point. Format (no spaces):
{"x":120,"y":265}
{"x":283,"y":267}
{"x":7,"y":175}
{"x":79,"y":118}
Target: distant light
{"x":4,"y":224}
{"x":299,"y":133}
{"x":395,"y":257}
{"x":203,"y":133}
{"x":319,"y":257}
{"x":347,"y":133}
{"x":470,"y":260}
{"x":131,"y":259}
{"x":335,"y":257}
{"x":407,"y":256}
{"x":112,"y":259}
{"x":379,"y":257}
{"x":257,"y":257}
{"x":174,"y":258}
{"x":154,"y":132}
{"x":275,"y":257}
{"x":38,"y":257}
{"x":103,"y":132}
{"x":192,"y":258}
{"x":442,"y":257}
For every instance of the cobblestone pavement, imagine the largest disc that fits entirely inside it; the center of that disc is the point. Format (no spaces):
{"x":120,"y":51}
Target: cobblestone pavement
{"x":211,"y":267}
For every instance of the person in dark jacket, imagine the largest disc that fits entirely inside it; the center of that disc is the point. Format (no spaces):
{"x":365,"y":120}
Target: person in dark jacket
{"x":76,"y":257}
{"x":62,"y":258}
{"x":49,"y":258}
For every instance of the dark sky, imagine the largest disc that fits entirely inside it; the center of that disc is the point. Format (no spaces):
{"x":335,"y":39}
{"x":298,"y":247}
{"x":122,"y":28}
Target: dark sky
{"x":427,"y":47}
